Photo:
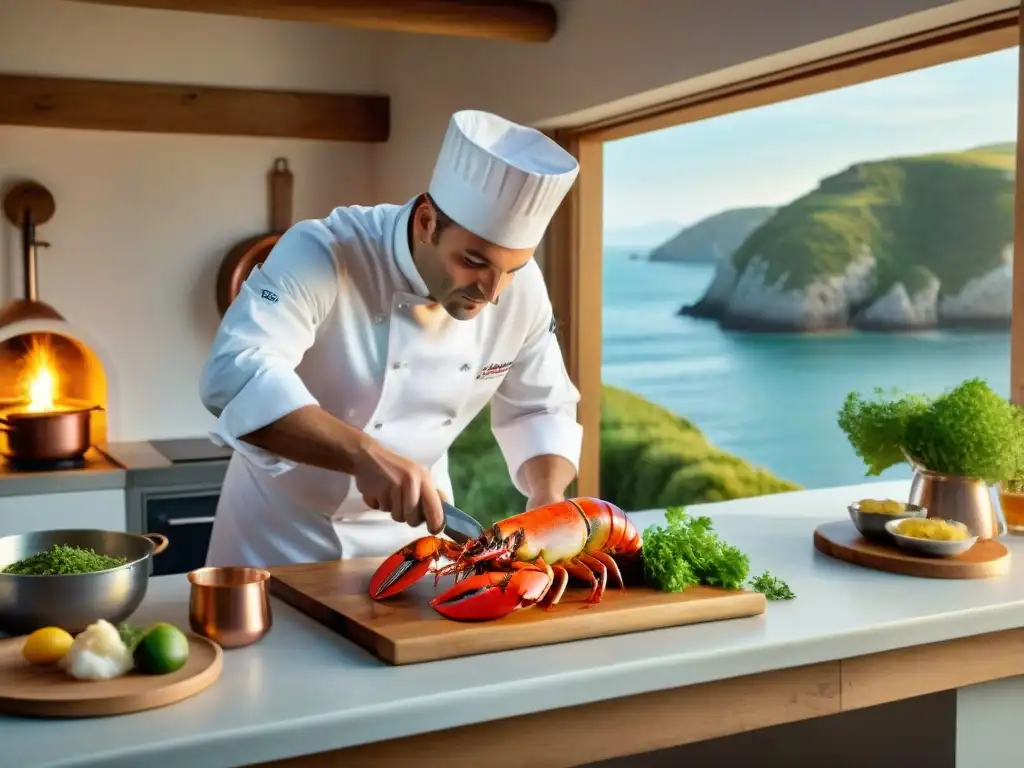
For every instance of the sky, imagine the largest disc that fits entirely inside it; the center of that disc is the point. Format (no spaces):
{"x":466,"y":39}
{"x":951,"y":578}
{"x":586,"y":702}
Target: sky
{"x":771,"y":155}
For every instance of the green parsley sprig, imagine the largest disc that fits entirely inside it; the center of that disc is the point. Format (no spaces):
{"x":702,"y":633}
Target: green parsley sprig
{"x":687,"y":552}
{"x":773,"y":587}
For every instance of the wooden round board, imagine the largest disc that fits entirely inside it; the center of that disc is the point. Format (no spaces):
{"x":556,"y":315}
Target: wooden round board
{"x":33,"y":691}
{"x":843,"y":541}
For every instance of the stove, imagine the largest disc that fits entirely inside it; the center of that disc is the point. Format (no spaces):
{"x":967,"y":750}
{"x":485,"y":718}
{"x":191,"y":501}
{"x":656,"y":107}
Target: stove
{"x":54,"y":465}
{"x":190,"y":450}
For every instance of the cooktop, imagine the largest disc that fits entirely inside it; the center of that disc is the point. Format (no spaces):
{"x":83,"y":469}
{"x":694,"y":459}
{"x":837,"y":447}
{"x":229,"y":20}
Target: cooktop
{"x":185,"y":450}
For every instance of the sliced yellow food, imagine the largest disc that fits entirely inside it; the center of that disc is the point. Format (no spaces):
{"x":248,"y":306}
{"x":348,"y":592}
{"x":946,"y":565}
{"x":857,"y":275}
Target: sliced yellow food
{"x":932,"y":529}
{"x":882,"y":507}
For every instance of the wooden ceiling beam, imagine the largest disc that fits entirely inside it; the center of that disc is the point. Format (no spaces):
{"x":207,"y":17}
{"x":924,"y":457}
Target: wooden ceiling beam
{"x":53,"y":102}
{"x":516,"y":20}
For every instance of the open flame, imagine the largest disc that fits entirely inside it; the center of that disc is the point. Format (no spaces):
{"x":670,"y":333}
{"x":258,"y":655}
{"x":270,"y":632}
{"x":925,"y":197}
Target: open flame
{"x":39,"y":380}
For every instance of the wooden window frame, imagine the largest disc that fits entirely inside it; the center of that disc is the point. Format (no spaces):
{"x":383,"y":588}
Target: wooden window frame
{"x":574,"y":245}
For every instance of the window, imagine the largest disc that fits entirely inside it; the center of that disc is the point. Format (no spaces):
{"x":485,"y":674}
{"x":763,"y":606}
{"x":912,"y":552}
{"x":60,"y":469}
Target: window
{"x":623,"y":330}
{"x":760,"y":265}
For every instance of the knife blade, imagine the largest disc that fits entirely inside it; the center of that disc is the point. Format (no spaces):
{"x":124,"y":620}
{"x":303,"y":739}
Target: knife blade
{"x":459,"y":526}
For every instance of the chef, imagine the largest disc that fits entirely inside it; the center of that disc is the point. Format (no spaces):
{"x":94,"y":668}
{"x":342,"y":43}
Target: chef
{"x":368,"y":340}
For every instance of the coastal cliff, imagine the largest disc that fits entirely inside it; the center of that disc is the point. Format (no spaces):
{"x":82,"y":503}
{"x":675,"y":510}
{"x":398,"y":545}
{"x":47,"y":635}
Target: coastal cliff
{"x":900,"y":244}
{"x":713,"y":238}
{"x":650,"y":458}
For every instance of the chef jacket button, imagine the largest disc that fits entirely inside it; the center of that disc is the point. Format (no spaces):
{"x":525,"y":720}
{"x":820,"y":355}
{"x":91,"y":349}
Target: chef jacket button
{"x":378,"y":425}
{"x":402,"y":305}
{"x":396,"y":366}
{"x":378,"y":319}
{"x":447,"y":422}
{"x":464,"y":367}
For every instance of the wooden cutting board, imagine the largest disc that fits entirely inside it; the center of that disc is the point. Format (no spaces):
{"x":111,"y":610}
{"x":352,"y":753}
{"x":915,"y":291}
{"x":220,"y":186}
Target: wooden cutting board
{"x":405,"y":629}
{"x":33,"y":691}
{"x":843,"y":541}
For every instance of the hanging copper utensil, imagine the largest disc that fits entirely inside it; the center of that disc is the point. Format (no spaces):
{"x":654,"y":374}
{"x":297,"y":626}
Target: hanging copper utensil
{"x":27,"y":205}
{"x":253,"y":251}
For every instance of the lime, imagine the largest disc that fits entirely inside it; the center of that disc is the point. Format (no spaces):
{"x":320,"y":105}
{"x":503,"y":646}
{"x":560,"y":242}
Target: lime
{"x":163,"y":649}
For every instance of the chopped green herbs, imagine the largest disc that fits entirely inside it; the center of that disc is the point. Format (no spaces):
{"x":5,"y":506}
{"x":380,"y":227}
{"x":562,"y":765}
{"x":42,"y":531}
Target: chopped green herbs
{"x":772,"y":587}
{"x":62,"y":559}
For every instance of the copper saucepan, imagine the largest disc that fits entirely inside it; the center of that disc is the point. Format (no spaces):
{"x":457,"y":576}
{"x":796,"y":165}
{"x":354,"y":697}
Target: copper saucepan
{"x":253,"y":251}
{"x":48,"y":435}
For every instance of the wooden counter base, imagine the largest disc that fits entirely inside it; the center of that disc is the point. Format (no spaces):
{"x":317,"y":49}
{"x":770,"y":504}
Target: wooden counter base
{"x":662,"y":719}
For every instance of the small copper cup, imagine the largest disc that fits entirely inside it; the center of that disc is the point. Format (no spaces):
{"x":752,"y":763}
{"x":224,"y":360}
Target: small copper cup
{"x":231,"y":606}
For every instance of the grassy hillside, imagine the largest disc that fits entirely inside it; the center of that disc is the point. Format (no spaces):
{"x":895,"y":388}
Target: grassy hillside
{"x":713,"y":237}
{"x":945,"y":214}
{"x":650,"y":458}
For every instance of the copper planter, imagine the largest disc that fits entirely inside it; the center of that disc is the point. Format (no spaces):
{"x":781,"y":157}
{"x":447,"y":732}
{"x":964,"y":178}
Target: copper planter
{"x":48,"y":435}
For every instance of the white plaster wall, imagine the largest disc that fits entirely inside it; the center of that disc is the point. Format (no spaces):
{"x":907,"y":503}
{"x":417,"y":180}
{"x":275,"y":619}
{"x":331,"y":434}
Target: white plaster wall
{"x":143,"y":220}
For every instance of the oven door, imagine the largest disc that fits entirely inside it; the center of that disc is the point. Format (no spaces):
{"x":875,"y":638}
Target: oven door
{"x":185,"y":517}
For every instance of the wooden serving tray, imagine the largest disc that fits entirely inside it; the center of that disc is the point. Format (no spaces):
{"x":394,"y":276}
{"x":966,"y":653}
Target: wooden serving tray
{"x":405,"y":629}
{"x":843,"y":541}
{"x":34,"y":691}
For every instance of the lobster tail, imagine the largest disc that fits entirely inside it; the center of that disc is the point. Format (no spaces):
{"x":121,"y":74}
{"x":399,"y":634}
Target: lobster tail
{"x":611,"y":531}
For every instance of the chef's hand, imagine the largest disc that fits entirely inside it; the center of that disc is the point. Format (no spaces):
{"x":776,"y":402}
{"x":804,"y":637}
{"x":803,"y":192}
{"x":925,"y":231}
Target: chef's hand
{"x":393,"y":483}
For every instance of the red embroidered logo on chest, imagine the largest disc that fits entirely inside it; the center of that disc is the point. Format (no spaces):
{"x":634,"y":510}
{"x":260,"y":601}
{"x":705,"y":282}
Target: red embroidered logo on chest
{"x":494,"y":370}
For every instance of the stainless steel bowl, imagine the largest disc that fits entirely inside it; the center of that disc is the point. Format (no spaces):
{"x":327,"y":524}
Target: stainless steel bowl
{"x":74,"y":601}
{"x":933,"y":547}
{"x":872,"y":524}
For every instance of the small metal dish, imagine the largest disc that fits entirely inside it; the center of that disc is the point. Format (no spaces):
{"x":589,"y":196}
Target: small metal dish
{"x":873,"y":525}
{"x":930,"y":546}
{"x":230,"y":605}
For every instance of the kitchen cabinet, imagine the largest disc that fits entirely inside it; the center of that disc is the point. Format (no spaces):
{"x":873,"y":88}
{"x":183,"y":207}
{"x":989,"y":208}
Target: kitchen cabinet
{"x":104,"y":509}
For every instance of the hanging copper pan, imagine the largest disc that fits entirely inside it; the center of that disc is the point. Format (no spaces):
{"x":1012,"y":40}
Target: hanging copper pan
{"x":253,"y":251}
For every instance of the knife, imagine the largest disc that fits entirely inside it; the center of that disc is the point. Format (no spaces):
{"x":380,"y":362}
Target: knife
{"x":459,"y":526}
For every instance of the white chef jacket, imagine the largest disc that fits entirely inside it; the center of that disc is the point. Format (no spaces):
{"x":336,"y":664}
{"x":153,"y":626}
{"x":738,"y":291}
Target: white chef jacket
{"x":338,"y":316}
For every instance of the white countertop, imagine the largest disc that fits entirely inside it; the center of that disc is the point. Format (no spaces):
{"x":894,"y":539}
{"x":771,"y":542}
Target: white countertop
{"x":305,"y":689}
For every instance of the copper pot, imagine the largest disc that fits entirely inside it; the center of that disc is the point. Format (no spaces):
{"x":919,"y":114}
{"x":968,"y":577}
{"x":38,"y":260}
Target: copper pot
{"x":230,"y":605}
{"x":48,"y":435}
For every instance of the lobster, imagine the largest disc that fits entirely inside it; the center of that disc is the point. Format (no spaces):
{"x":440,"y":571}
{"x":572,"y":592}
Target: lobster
{"x":521,"y":561}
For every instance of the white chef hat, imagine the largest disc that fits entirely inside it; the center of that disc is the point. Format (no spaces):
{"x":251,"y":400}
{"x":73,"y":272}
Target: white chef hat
{"x":501,"y":181}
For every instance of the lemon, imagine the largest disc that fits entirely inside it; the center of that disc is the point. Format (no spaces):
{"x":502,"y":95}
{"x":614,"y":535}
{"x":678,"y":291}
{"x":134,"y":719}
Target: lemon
{"x":46,"y":646}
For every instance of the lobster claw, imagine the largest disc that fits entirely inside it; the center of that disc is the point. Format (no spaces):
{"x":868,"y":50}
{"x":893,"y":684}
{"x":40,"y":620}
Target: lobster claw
{"x":407,"y":566}
{"x":493,"y":594}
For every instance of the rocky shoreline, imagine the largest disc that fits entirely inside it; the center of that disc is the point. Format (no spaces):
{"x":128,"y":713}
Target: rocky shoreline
{"x":748,"y":302}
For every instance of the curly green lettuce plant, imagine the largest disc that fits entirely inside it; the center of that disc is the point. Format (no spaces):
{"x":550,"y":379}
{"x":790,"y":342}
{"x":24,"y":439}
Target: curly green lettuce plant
{"x":969,"y":430}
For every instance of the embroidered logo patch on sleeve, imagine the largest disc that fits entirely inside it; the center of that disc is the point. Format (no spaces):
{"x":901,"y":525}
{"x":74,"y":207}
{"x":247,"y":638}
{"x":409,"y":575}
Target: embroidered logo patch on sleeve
{"x":552,"y":325}
{"x":269,"y":296}
{"x":494,"y":370}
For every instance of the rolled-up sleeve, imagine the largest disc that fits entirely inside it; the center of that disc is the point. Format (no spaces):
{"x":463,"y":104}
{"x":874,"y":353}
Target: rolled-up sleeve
{"x":249,"y":380}
{"x":533,"y":412}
